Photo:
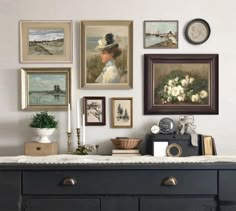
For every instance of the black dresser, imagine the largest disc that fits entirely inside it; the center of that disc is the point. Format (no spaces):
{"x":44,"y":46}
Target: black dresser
{"x":118,"y":187}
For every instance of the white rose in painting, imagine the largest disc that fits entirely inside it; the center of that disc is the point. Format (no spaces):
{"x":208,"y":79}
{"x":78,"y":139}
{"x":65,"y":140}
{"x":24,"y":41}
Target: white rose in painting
{"x":165,"y":88}
{"x":184,"y":83}
{"x":203,"y":94}
{"x":195,"y":98}
{"x":191,"y":80}
{"x":169,"y":99}
{"x":181,"y":89}
{"x":175,"y":91}
{"x":176,"y":79}
{"x":170,"y":82}
{"x":181,"y":98}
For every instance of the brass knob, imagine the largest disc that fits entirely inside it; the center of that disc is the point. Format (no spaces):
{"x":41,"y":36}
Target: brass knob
{"x":169,"y":181}
{"x":69,"y":181}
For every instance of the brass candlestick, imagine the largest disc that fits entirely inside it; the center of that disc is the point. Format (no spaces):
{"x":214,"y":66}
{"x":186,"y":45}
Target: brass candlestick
{"x":78,"y":135}
{"x":68,"y":142}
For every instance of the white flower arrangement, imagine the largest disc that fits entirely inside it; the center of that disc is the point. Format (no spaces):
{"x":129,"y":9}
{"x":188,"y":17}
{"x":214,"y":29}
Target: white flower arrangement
{"x":178,"y":87}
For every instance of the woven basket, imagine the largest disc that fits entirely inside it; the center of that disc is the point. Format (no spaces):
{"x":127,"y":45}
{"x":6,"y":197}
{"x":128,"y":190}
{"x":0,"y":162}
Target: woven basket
{"x":126,"y":143}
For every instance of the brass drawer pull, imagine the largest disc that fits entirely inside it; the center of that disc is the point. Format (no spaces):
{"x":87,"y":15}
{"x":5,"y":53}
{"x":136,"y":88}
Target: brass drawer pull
{"x":69,"y":181}
{"x":169,"y":181}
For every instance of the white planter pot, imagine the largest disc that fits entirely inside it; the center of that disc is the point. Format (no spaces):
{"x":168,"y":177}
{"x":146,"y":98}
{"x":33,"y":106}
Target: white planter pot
{"x":43,"y":134}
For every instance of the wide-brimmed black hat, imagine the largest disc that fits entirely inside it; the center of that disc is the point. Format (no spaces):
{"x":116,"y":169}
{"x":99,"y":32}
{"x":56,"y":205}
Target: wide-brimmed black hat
{"x":108,"y":41}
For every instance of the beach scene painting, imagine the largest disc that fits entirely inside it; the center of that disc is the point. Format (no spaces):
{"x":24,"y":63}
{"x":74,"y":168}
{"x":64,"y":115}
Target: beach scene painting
{"x":106,"y":56}
{"x":46,"y":41}
{"x":45,"y":88}
{"x":160,"y":34}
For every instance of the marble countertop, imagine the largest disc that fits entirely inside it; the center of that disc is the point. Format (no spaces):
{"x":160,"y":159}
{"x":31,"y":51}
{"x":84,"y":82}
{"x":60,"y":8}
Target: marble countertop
{"x":102,"y":159}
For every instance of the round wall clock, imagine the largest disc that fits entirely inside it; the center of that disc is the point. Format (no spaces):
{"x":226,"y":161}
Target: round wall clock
{"x":197,"y":31}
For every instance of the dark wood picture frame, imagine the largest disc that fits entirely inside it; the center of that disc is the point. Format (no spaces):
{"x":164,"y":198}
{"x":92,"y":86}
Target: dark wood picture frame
{"x":95,"y":111}
{"x":161,"y":73}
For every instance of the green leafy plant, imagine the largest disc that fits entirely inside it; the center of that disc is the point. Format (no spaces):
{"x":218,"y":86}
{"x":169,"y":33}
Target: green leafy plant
{"x":43,"y":120}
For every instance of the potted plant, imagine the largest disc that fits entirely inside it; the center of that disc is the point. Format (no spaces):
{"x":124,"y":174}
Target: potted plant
{"x":44,"y":125}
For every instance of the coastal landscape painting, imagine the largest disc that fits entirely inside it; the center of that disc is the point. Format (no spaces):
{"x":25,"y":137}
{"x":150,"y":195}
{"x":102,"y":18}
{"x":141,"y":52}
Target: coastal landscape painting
{"x":160,"y":34}
{"x":46,"y":41}
{"x":100,"y":39}
{"x":47,"y":88}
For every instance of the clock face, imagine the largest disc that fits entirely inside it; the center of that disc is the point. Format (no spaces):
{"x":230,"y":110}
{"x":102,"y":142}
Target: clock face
{"x":155,"y":129}
{"x":197,"y":31}
{"x":167,"y":126}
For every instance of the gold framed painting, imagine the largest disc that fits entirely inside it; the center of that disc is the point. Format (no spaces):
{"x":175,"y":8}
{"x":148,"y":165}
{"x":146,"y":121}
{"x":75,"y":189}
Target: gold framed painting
{"x":46,"y":41}
{"x":45,"y":88}
{"x":122,"y":112}
{"x":106,"y":54}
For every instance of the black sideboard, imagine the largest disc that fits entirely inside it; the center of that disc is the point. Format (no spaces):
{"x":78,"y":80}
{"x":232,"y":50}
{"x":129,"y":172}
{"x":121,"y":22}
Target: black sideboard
{"x":118,"y":187}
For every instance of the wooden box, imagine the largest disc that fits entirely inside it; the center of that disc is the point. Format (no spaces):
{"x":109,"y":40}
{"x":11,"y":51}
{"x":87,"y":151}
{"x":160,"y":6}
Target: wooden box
{"x":40,"y":149}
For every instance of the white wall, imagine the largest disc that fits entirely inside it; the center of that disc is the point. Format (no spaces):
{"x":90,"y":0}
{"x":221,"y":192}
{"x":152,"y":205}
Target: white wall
{"x":14,"y":130}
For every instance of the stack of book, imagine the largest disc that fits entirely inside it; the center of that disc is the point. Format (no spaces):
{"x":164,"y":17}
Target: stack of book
{"x":126,"y":152}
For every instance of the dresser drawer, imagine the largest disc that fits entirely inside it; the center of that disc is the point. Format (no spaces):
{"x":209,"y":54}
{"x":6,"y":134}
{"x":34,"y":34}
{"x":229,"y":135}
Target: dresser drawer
{"x":120,"y":182}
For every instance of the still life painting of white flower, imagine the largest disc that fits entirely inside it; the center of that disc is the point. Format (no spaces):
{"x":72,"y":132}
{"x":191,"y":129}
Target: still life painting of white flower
{"x":181,"y":84}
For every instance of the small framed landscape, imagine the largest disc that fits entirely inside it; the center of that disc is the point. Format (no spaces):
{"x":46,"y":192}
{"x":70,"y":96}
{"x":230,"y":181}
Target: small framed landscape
{"x":45,"y":88}
{"x":46,"y":42}
{"x":181,"y":84}
{"x":107,"y":54}
{"x":161,"y":34}
{"x":122,"y":112}
{"x":95,"y":111}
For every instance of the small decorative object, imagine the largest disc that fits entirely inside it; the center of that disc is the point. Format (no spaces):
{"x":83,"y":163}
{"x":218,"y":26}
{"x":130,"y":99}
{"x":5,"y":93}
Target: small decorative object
{"x":45,"y":88}
{"x":126,"y":143}
{"x":197,"y":31}
{"x":161,"y":34}
{"x":44,"y":125}
{"x":181,"y":84}
{"x":107,"y":44}
{"x":186,"y":126}
{"x":122,"y":112}
{"x":155,"y":129}
{"x":68,"y":142}
{"x":85,"y":149}
{"x":167,"y":126}
{"x":95,"y":111}
{"x":46,"y":41}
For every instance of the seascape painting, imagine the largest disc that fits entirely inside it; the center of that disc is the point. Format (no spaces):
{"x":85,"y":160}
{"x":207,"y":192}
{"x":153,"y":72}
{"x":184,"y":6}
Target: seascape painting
{"x":106,"y":54}
{"x":46,"y":41}
{"x":161,"y":34}
{"x":47,"y":89}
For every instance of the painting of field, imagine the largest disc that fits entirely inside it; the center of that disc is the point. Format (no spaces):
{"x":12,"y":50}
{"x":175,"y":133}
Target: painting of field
{"x":46,"y":41}
{"x":47,"y":89}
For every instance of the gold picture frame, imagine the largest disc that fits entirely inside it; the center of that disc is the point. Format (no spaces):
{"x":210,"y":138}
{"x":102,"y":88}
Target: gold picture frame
{"x":93,"y":73}
{"x":122,"y":112}
{"x":45,"y":88}
{"x":46,"y":41}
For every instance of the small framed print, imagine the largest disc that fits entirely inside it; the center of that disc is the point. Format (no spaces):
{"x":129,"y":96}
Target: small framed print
{"x":95,"y":111}
{"x":161,"y":34}
{"x":46,"y":41}
{"x":45,"y":88}
{"x":122,"y":112}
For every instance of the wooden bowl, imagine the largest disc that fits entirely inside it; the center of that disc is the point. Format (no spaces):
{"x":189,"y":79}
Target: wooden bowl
{"x":126,"y":143}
